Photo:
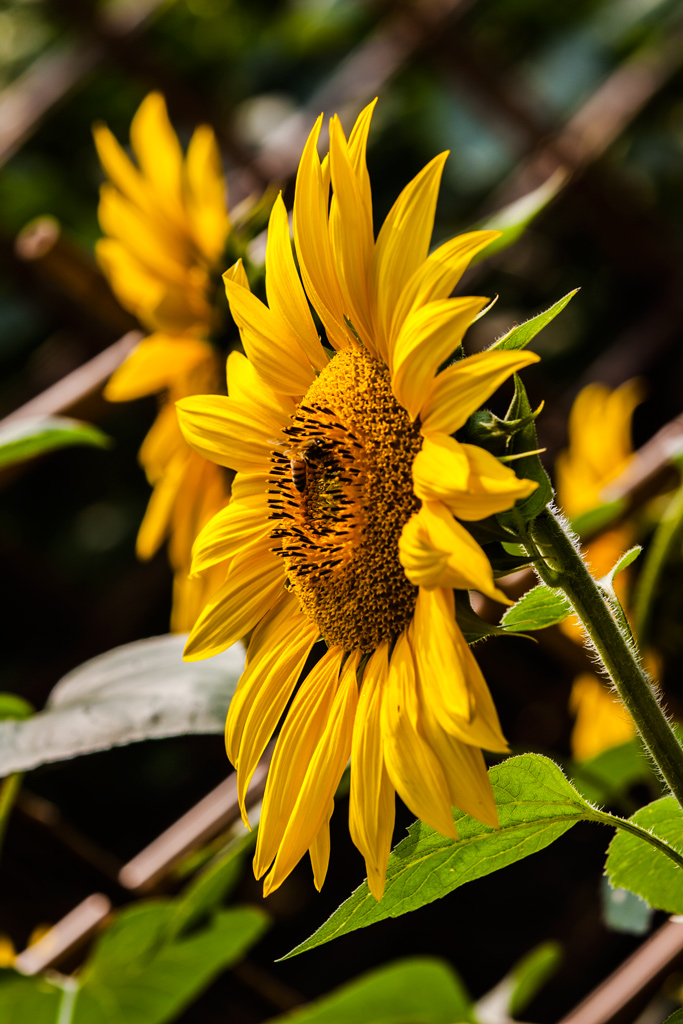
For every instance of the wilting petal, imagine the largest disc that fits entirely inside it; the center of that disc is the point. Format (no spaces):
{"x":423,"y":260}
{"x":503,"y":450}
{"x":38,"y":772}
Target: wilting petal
{"x":411,"y":764}
{"x":460,"y":390}
{"x":436,"y":551}
{"x":311,"y":810}
{"x":231,"y":433}
{"x":253,"y":585}
{"x":372,"y":801}
{"x":301,"y":732}
{"x":427,"y":337}
{"x":454,"y":691}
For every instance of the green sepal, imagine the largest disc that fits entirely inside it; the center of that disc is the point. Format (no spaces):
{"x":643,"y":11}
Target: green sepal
{"x":622,"y":563}
{"x":529,"y":467}
{"x":490,"y":432}
{"x":520,"y":335}
{"x":473,"y":627}
{"x":539,"y":608}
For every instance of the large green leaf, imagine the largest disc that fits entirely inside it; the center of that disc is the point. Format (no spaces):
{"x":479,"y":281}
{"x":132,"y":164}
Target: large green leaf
{"x":416,"y":991}
{"x":23,"y":439}
{"x":539,"y":608}
{"x":132,"y":977}
{"x":140,"y":691}
{"x":29,"y":1000}
{"x":642,"y":869}
{"x":536,"y":805}
{"x":520,"y":335}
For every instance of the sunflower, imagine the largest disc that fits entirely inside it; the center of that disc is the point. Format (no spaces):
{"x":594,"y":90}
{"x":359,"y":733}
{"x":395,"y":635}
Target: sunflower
{"x":599,"y":450}
{"x":342,"y":525}
{"x":166,"y":224}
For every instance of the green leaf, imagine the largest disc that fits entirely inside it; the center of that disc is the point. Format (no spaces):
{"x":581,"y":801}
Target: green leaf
{"x":473,"y":627}
{"x":529,"y":466}
{"x":675,"y":1018}
{"x":420,"y":990}
{"x":537,"y":609}
{"x":521,"y":335}
{"x":13,"y":706}
{"x":536,"y":805}
{"x":531,"y":973}
{"x":593,"y":520}
{"x":513,"y":220}
{"x":23,"y":439}
{"x":513,"y":993}
{"x":642,"y":869}
{"x":33,"y":1000}
{"x":210,"y":887}
{"x":140,"y":691}
{"x":132,"y":977}
{"x":623,"y":563}
{"x":607,"y":777}
{"x":623,"y":911}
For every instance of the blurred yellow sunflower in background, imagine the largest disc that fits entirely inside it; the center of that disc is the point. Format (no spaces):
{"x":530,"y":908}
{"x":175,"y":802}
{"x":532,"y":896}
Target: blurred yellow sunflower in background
{"x":599,"y":450}
{"x":342,"y":524}
{"x":166,"y":224}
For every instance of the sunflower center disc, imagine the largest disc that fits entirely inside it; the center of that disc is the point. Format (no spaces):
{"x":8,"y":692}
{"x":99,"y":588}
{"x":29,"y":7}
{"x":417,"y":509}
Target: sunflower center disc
{"x":340,"y":494}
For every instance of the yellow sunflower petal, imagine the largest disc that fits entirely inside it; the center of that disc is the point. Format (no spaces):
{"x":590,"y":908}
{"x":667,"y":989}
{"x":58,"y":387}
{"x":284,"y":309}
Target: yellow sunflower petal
{"x":436,"y":551}
{"x":155,"y":365}
{"x":313,"y":246}
{"x":237,"y":526}
{"x":207,"y":208}
{"x":157,"y":249}
{"x":411,"y":764}
{"x":403,"y":243}
{"x":427,"y":337}
{"x":358,"y":144}
{"x":119,"y":168}
{"x":470,"y":481}
{"x":301,"y":732}
{"x":231,"y":433}
{"x":135,"y":287}
{"x":285,"y":293}
{"x":439,"y":274}
{"x":275,"y":353}
{"x":325,"y":769}
{"x":253,"y":584}
{"x":158,"y":153}
{"x":162,"y":442}
{"x":372,"y":801}
{"x":245,"y":385}
{"x":351,"y":236}
{"x":320,"y":850}
{"x":453,"y":689}
{"x":461,"y":389}
{"x":155,"y":524}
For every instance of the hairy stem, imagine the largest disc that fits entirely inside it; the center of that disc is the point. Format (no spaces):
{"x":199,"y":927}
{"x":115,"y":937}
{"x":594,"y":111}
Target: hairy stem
{"x":561,"y":565}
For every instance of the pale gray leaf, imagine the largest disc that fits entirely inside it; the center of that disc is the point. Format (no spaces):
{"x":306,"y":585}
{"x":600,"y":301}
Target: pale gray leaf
{"x":140,"y":691}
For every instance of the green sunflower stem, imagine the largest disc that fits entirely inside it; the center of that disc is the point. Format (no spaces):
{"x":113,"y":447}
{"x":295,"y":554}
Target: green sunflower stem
{"x":561,"y":565}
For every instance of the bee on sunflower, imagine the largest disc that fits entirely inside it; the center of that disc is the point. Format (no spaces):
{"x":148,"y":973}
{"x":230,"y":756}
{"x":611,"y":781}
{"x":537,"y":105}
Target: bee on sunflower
{"x":344,"y":524}
{"x":166,"y":225}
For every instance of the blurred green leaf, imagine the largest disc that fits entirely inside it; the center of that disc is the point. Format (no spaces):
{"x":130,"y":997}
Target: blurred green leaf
{"x":420,"y":990}
{"x":598,"y":518}
{"x":513,"y":220}
{"x":531,"y":973}
{"x":537,"y":609}
{"x":623,"y":911}
{"x":14,"y":706}
{"x":675,"y":1018}
{"x":607,"y":777}
{"x":663,"y":548}
{"x":521,"y":335}
{"x":24,"y":439}
{"x":139,"y":691}
{"x":133,"y":977}
{"x":30,"y":1000}
{"x":210,"y":887}
{"x":644,"y":870}
{"x":536,"y":805}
